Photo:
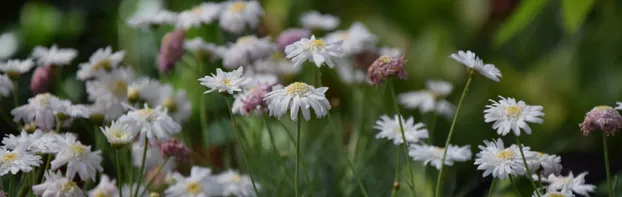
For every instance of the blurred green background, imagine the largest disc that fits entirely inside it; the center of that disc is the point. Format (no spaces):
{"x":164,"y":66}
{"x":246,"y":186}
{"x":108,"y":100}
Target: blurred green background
{"x":562,"y":54}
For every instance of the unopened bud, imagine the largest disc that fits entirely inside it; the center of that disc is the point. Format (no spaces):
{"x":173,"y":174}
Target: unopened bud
{"x":30,"y":127}
{"x":396,"y":185}
{"x":171,"y":50}
{"x":41,"y":79}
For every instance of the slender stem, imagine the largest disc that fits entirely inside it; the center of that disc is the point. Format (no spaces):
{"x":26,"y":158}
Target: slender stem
{"x":439,"y":179}
{"x":142,"y":166}
{"x":540,"y":180}
{"x":11,"y":184}
{"x":431,"y":126}
{"x":203,"y":109}
{"x":302,"y":164}
{"x":318,"y":74}
{"x":33,"y":180}
{"x":297,"y":154}
{"x":528,"y":172}
{"x":397,"y":172}
{"x":492,"y":187}
{"x":405,"y":142}
{"x":154,"y":177}
{"x":272,"y":142}
{"x":59,"y":125}
{"x":47,"y":166}
{"x":358,"y":180}
{"x":23,"y":190}
{"x":237,"y":134}
{"x":119,"y":179}
{"x":516,"y":188}
{"x":131,"y":168}
{"x":606,"y":155}
{"x":15,"y":93}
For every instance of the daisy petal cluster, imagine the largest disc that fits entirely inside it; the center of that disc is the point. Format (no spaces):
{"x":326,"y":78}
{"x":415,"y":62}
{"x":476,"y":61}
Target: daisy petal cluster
{"x":204,"y":13}
{"x":471,"y":61}
{"x":354,"y":40}
{"x":570,"y":183}
{"x":102,"y":61}
{"x":389,"y":128}
{"x":36,"y":142}
{"x":78,"y":158}
{"x":545,"y":163}
{"x":434,"y":155}
{"x":160,"y":17}
{"x":236,"y":15}
{"x":200,"y":183}
{"x":297,"y":97}
{"x":151,"y":123}
{"x":110,"y":91}
{"x":57,"y":185}
{"x":562,"y":193}
{"x":198,"y":45}
{"x":15,"y":68}
{"x":105,"y":188}
{"x":235,"y":184}
{"x":229,"y":82}
{"x":315,"y":20}
{"x":118,"y":134}
{"x":315,"y":50}
{"x":6,"y":85}
{"x":246,"y":50}
{"x":46,"y":110}
{"x":17,"y":160}
{"x":432,"y":99}
{"x":508,"y":114}
{"x":501,"y":162}
{"x":53,"y":56}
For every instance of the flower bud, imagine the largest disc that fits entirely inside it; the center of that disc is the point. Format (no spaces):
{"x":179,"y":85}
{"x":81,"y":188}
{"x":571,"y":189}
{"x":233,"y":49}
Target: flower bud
{"x":603,"y":118}
{"x":255,"y":98}
{"x":154,"y":194}
{"x":290,"y":36}
{"x":171,"y":50}
{"x":385,"y":67}
{"x":30,"y":127}
{"x":174,"y":148}
{"x":396,"y":185}
{"x":41,"y":79}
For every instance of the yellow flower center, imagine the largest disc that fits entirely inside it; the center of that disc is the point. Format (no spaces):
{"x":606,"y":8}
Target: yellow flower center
{"x":238,"y":7}
{"x":103,"y":64}
{"x":117,"y":133}
{"x":100,"y":194}
{"x":245,"y":39}
{"x":44,"y":98}
{"x":556,"y":195}
{"x":68,"y":186}
{"x":145,"y":113}
{"x":78,"y":150}
{"x":505,"y":155}
{"x":170,"y":104}
{"x":316,"y":45}
{"x":236,"y":178}
{"x":197,"y":10}
{"x":193,"y":188}
{"x":385,"y":59}
{"x":118,"y":88}
{"x":226,"y":82}
{"x":602,"y":108}
{"x":513,"y":111}
{"x":540,"y":154}
{"x":8,"y":157}
{"x":133,"y":94}
{"x":297,"y":89}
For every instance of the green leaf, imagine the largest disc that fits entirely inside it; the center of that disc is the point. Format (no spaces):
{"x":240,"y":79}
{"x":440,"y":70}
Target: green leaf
{"x":523,"y":15}
{"x":575,"y":12}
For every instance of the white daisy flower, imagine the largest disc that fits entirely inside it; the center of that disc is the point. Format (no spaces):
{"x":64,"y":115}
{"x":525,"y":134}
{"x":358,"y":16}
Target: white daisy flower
{"x":10,"y":43}
{"x":65,"y":108}
{"x":127,"y":190}
{"x":154,"y":124}
{"x":110,"y":91}
{"x":198,"y":45}
{"x":143,"y":89}
{"x":36,"y":142}
{"x":237,"y":14}
{"x":562,"y":193}
{"x":354,"y":40}
{"x":548,"y":164}
{"x":16,"y":67}
{"x":119,"y":134}
{"x":432,"y":99}
{"x":6,"y":85}
{"x":434,"y":155}
{"x":246,"y":50}
{"x":40,"y":109}
{"x":502,"y":162}
{"x":53,"y":55}
{"x":105,"y":188}
{"x":79,"y":158}
{"x":391,"y":52}
{"x":235,"y":184}
{"x":298,"y":96}
{"x":160,"y":17}
{"x":570,"y":182}
{"x":229,"y":82}
{"x":153,"y":159}
{"x":103,"y":60}
{"x":389,"y":128}
{"x":57,"y":185}
{"x":204,"y":13}
{"x":200,"y":183}
{"x":17,"y":160}
{"x":350,"y":74}
{"x":507,"y":114}
{"x":177,"y":104}
{"x":316,"y":50}
{"x":315,"y":20}
{"x":470,"y":60}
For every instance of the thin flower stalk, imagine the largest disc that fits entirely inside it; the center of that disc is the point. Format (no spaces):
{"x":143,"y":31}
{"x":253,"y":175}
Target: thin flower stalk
{"x":607,"y":170}
{"x":142,"y":165}
{"x":514,"y":185}
{"x":492,"y":187}
{"x":237,"y":134}
{"x":405,"y":142}
{"x":527,"y":172}
{"x":297,"y":155}
{"x":119,"y":181}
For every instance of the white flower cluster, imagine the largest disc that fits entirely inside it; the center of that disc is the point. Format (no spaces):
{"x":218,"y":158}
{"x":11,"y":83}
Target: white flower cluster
{"x":201,"y":182}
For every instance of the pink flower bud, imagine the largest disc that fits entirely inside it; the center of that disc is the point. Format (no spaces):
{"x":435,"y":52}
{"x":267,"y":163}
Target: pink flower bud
{"x":41,"y":79}
{"x":603,"y":118}
{"x":255,"y":98}
{"x":385,"y":67}
{"x":290,"y":36}
{"x":171,"y":50}
{"x":174,"y":148}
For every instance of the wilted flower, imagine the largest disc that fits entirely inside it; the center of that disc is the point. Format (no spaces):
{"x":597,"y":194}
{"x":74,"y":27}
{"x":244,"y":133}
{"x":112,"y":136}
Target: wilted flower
{"x":315,"y":20}
{"x":298,"y":96}
{"x":254,"y":99}
{"x":41,"y":79}
{"x":385,"y":67}
{"x":174,"y":148}
{"x":470,"y":60}
{"x":602,"y":118}
{"x":290,"y":36}
{"x":171,"y":50}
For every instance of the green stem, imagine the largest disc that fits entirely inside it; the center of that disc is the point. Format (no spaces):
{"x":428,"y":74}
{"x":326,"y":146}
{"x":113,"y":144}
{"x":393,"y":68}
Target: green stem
{"x":528,"y":172}
{"x":154,"y":177}
{"x":59,"y":125}
{"x":11,"y":184}
{"x":404,"y":141}
{"x":606,"y":155}
{"x":358,"y":180}
{"x":142,"y":166}
{"x":297,"y":154}
{"x":33,"y":180}
{"x":516,"y":188}
{"x":540,"y":180}
{"x":237,"y":134}
{"x":15,"y":93}
{"x":397,"y":172}
{"x":131,"y":168}
{"x":302,"y":164}
{"x":318,"y":74}
{"x":272,"y":142}
{"x":203,"y":109}
{"x":492,"y":186}
{"x":431,"y":126}
{"x":23,"y":190}
{"x":439,"y":179}
{"x":47,"y":166}
{"x":119,"y":182}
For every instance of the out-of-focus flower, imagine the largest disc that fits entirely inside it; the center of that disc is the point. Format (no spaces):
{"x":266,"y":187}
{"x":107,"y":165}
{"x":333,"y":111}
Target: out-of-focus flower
{"x":298,"y":96}
{"x":40,"y":109}
{"x":157,"y":18}
{"x":548,"y":164}
{"x":555,"y":193}
{"x":198,"y":45}
{"x":229,"y":82}
{"x":246,"y":50}
{"x":177,"y":104}
{"x":350,"y":74}
{"x":365,"y":59}
{"x":129,"y":189}
{"x":41,"y":79}
{"x":102,"y":61}
{"x":385,"y":67}
{"x":105,"y":188}
{"x":204,"y":13}
{"x":110,"y":91}
{"x":15,"y":68}
{"x":143,"y":90}
{"x":17,"y":160}
{"x":430,"y":99}
{"x":9,"y":43}
{"x":57,"y":185}
{"x":507,"y":114}
{"x":237,"y":14}
{"x":235,"y":184}
{"x":53,"y":56}
{"x":36,"y":142}
{"x":171,"y":50}
{"x":174,"y":148}
{"x":277,"y":65}
{"x":603,"y":118}
{"x":316,"y":50}
{"x":315,"y":20}
{"x":390,"y":51}
{"x":6,"y":85}
{"x":471,"y":61}
{"x":434,"y":155}
{"x":118,"y":135}
{"x":200,"y":183}
{"x":389,"y":128}
{"x":153,"y":158}
{"x":570,"y":182}
{"x":290,"y":36}
{"x":78,"y":158}
{"x":354,"y":40}
{"x":153,"y":124}
{"x":252,"y":100}
{"x":502,"y":162}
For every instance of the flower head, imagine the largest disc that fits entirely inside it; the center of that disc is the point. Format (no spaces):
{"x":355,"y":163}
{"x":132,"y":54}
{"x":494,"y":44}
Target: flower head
{"x":554,"y":193}
{"x":36,"y":142}
{"x":246,"y":50}
{"x":41,"y":79}
{"x":17,"y":160}
{"x":110,"y":91}
{"x":471,"y":61}
{"x":229,"y":82}
{"x":237,"y":14}
{"x":154,"y":124}
{"x":200,"y":183}
{"x":254,"y":98}
{"x":119,"y":134}
{"x":204,"y":13}
{"x":602,"y":118}
{"x":160,"y":17}
{"x":290,"y":36}
{"x":315,"y":20}
{"x":389,"y":128}
{"x":6,"y":85}
{"x":548,"y":164}
{"x":570,"y":182}
{"x":434,"y":155}
{"x":53,"y":55}
{"x":235,"y":184}
{"x":57,"y":185}
{"x":316,"y":50}
{"x":15,"y":68}
{"x":102,"y":61}
{"x":9,"y":43}
{"x":78,"y":157}
{"x":432,"y":99}
{"x":354,"y":40}
{"x":171,"y":50}
{"x":174,"y":148}
{"x":501,"y":162}
{"x":41,"y":109}
{"x":105,"y":188}
{"x":176,"y":103}
{"x":298,"y":96}
{"x":385,"y":67}
{"x":507,"y":114}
